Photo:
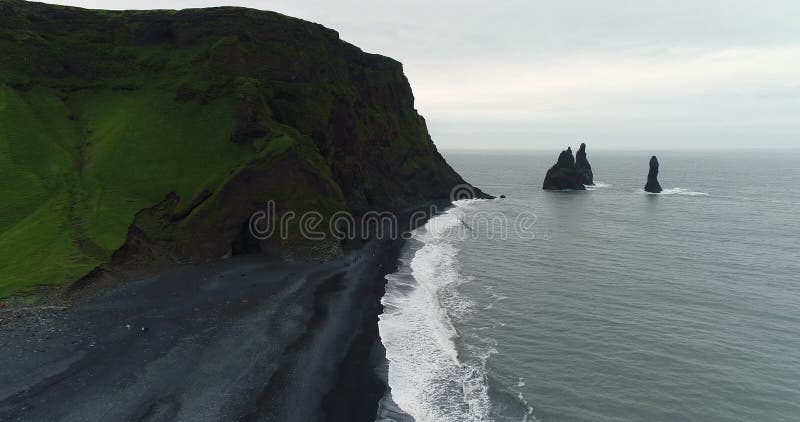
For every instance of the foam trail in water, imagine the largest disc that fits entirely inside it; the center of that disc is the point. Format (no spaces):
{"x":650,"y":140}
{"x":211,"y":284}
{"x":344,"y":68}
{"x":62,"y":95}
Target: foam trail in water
{"x":682,"y":191}
{"x":428,"y":378}
{"x":679,"y":191}
{"x":598,"y":185}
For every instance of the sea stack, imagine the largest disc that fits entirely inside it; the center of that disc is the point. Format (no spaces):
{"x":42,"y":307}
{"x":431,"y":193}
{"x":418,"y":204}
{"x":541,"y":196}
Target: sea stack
{"x":583,"y":167}
{"x":652,"y":185}
{"x":563,"y":175}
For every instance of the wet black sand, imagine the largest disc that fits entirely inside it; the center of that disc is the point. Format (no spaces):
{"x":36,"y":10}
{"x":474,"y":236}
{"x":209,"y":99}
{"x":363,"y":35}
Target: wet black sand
{"x":240,"y":339}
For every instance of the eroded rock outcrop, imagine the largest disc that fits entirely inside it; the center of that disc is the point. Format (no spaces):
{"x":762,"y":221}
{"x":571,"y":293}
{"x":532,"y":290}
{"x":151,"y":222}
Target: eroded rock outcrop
{"x":563,"y":174}
{"x":583,"y":167}
{"x":652,"y":185}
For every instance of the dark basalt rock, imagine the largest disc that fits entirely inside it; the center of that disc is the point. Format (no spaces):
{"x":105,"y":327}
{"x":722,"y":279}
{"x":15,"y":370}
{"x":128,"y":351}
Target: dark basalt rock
{"x":652,"y":185}
{"x":563,"y":175}
{"x":583,"y":167}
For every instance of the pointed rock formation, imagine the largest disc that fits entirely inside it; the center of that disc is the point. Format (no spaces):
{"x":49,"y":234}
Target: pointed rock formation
{"x":563,"y":175}
{"x":652,"y":185}
{"x":583,"y":167}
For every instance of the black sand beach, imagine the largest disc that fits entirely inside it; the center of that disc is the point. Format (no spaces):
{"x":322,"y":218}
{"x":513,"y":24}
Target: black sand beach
{"x":239,"y":339}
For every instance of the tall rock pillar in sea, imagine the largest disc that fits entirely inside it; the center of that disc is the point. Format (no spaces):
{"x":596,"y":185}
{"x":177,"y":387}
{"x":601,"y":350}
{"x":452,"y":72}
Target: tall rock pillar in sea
{"x":583,"y":167}
{"x":652,"y":185}
{"x":563,"y":174}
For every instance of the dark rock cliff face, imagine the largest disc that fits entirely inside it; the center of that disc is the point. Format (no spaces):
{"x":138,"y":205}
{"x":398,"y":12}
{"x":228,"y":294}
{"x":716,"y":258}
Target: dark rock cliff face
{"x":563,"y":174}
{"x":652,"y":185}
{"x":356,"y":142}
{"x":356,"y":107}
{"x":583,"y":167}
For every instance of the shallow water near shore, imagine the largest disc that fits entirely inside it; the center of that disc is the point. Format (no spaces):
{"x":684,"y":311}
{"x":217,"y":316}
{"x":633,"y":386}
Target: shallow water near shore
{"x":624,"y":306}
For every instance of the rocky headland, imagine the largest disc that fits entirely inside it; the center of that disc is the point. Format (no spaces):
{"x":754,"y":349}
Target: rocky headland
{"x":164,"y":131}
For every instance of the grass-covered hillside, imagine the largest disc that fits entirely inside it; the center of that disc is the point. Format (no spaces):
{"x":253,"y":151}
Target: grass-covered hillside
{"x":132,"y":137}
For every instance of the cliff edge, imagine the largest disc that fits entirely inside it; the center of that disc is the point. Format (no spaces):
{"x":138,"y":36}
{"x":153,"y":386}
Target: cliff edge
{"x":133,"y":139}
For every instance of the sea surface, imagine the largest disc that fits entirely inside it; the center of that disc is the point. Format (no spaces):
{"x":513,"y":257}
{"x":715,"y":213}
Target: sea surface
{"x":609,"y":304}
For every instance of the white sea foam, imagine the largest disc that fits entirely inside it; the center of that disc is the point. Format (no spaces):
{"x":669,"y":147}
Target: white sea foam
{"x":597,"y":186}
{"x":529,"y":411}
{"x":428,"y":378}
{"x":529,"y":416}
{"x":680,"y":191}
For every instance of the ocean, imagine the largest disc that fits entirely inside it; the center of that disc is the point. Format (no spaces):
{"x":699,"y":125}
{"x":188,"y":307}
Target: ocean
{"x":609,"y":304}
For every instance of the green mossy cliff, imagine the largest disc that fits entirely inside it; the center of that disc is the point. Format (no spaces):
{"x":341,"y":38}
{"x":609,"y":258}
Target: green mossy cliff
{"x":131,"y":138}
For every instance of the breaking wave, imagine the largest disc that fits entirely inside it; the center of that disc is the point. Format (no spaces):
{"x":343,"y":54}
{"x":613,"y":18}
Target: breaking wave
{"x":428,"y":377}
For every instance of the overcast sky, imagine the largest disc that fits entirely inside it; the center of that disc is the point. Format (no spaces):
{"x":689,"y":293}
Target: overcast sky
{"x":650,"y":74}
